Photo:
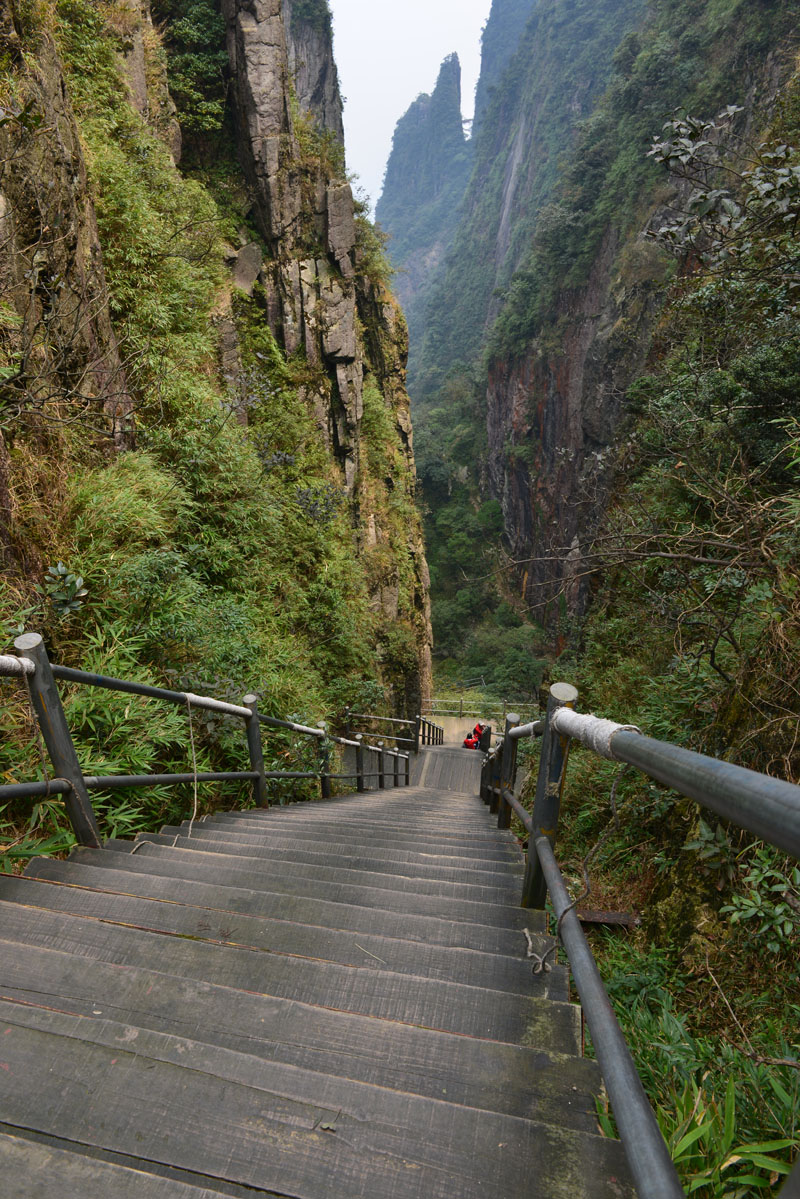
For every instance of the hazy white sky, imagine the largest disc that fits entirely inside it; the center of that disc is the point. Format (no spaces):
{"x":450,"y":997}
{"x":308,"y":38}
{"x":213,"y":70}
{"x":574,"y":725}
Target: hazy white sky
{"x":388,"y":51}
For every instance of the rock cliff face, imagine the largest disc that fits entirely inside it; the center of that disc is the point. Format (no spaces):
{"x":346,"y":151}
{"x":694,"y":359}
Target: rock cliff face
{"x":553,"y":421}
{"x":310,"y":273}
{"x":576,"y":327}
{"x":426,"y":177}
{"x":62,"y":344}
{"x":305,"y":296}
{"x":543,"y":68}
{"x":319,"y":299}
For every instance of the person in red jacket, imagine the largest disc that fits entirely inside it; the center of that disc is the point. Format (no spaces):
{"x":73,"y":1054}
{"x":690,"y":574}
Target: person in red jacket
{"x":471,"y":741}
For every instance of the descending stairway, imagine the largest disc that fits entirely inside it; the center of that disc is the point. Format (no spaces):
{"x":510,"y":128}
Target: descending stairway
{"x":326,"y":1000}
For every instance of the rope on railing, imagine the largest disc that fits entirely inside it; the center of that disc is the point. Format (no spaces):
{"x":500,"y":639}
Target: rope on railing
{"x":9,"y":665}
{"x":591,"y":731}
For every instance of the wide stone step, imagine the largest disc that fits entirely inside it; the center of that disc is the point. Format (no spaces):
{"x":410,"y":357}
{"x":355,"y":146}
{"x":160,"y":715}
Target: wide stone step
{"x":430,"y":1003}
{"x":34,"y":1169}
{"x":92,"y":871}
{"x":549,"y":1084}
{"x":402,"y":849}
{"x":453,"y":902}
{"x":298,"y":1133}
{"x":353,"y":833}
{"x":493,"y":970}
{"x":410,"y":864}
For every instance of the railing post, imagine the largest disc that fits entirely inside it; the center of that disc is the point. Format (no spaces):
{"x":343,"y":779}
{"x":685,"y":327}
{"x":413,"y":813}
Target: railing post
{"x":461,"y":707}
{"x":547,"y":803}
{"x":417,"y":731}
{"x":381,"y":767}
{"x":359,"y":763}
{"x":256,"y":748}
{"x":325,"y":763}
{"x":494,"y":781}
{"x":347,"y":724}
{"x":484,"y":789}
{"x":408,"y":769}
{"x":396,"y":769}
{"x":508,"y":770}
{"x":55,"y":730}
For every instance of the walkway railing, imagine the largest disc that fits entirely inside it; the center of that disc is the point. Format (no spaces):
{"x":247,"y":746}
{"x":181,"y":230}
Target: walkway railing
{"x":765,"y":806}
{"x":40,"y":675}
{"x":421,"y":730}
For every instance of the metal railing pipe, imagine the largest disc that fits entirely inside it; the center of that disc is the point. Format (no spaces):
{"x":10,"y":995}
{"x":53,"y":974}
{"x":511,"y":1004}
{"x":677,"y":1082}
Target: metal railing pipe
{"x":534,"y":729}
{"x":35,"y":790}
{"x":272,"y":722}
{"x":654,"y":1174}
{"x":116,"y":782}
{"x":384,"y":719}
{"x":172,"y":697}
{"x":766,"y":806}
{"x":514,"y":803}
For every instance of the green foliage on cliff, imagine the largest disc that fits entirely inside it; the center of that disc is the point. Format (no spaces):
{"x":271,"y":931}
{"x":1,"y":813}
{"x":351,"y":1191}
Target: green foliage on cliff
{"x":550,"y":84}
{"x":426,"y":176}
{"x":684,"y":56}
{"x":501,"y":35}
{"x":219,"y":552}
{"x":314,"y":13}
{"x":694,"y":635}
{"x":198,"y":62}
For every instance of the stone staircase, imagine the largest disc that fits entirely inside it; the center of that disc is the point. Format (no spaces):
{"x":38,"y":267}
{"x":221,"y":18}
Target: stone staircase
{"x":327,"y":1001}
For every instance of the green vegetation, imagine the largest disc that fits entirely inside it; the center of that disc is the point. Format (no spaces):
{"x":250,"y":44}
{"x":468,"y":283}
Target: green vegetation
{"x":198,"y":63}
{"x":426,"y":177}
{"x":314,"y":13}
{"x":549,"y":87}
{"x":219,"y":552}
{"x":693,"y":635}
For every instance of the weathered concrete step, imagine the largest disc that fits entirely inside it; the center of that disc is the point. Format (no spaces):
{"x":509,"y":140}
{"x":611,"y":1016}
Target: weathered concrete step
{"x":505,"y":875}
{"x":447,"y":1006}
{"x":543,"y":1083}
{"x":321,"y":912}
{"x":225,"y":870}
{"x":223,"y":1119}
{"x":37,"y":1170}
{"x":434,"y":806}
{"x":398,"y":805}
{"x":479,"y":838}
{"x":497,"y":971}
{"x":357,"y":834}
{"x":386,"y":842}
{"x":452,"y":885}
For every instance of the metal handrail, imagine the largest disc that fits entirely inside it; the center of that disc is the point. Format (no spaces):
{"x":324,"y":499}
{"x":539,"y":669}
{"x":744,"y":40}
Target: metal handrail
{"x":32,"y":663}
{"x":766,"y":806}
{"x":385,"y":719}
